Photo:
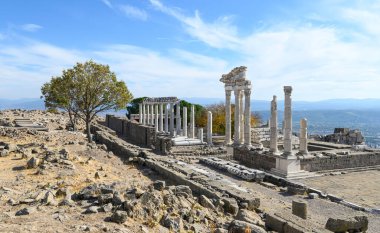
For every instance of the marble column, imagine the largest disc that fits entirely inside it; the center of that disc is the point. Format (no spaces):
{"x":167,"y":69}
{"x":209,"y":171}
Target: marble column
{"x":166,"y":118}
{"x":247,"y":117}
{"x":237,"y":118}
{"x":140,"y":113}
{"x":228,"y":117}
{"x":192,"y":122}
{"x":148,"y":114}
{"x":288,"y":121}
{"x":171,"y":128}
{"x":209,"y":128}
{"x":241,"y":113}
{"x":156,"y":117}
{"x":144,"y":115}
{"x":273,"y":126}
{"x":161,"y":117}
{"x":178,"y":119}
{"x":152,"y":114}
{"x":303,"y":136}
{"x":184,"y":114}
{"x":200,"y":134}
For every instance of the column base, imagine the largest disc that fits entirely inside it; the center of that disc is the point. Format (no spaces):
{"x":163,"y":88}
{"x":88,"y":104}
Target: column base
{"x":290,"y":168}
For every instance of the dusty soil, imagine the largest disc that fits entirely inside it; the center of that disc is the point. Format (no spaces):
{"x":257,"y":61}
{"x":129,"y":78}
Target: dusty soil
{"x":362,"y":188}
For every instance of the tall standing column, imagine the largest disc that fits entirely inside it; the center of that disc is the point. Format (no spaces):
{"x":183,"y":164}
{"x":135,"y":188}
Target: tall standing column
{"x":166,"y":118}
{"x":303,"y":136}
{"x":140,"y":113}
{"x":288,"y":121}
{"x":143,"y":115}
{"x":178,"y":119}
{"x":147,"y":114}
{"x":171,"y":129}
{"x":209,"y":128}
{"x":192,"y":122}
{"x":247,"y":117}
{"x":184,"y":114}
{"x":228,"y":117}
{"x":241,"y":117}
{"x":161,"y":117}
{"x":156,"y":117}
{"x":152,"y":114}
{"x":273,"y":126}
{"x":237,"y":118}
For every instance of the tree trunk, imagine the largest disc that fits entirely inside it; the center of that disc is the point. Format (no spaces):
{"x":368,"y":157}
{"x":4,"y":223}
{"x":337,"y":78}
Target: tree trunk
{"x":72,"y":121}
{"x":88,"y":129}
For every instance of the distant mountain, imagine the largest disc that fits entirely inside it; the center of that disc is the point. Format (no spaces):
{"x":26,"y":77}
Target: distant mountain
{"x":333,"y":104}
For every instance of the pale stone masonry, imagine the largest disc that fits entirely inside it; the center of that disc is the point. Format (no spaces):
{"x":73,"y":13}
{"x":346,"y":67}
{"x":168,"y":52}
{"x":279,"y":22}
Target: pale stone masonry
{"x":161,"y":117}
{"x":228,"y":116}
{"x":247,"y":117}
{"x":288,"y":121}
{"x":184,"y":114}
{"x":140,"y":113}
{"x":192,"y":122}
{"x":171,"y":119}
{"x":156,"y":117}
{"x":273,"y":126}
{"x":178,"y":119}
{"x":237,"y":118}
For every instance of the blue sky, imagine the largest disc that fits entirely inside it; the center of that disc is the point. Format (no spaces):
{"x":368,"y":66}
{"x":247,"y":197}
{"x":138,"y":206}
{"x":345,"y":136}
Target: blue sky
{"x":325,"y":49}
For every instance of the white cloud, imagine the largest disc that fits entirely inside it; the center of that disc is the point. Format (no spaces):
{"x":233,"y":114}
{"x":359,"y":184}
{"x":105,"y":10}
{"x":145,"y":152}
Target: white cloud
{"x":134,"y":12}
{"x":107,"y":3}
{"x":31,"y":27}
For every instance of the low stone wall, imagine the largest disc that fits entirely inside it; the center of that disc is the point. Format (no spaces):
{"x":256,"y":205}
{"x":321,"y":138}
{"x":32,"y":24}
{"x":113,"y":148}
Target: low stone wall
{"x":132,"y":131}
{"x":364,"y":159}
{"x":254,"y":159}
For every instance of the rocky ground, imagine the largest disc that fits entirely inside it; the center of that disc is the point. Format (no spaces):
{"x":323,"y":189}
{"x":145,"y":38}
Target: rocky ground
{"x":56,"y":181}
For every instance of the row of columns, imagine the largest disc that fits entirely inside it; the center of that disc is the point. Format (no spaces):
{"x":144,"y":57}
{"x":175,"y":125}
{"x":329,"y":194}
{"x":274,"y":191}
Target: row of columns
{"x":242,"y":119}
{"x":287,"y":126}
{"x":153,"y":114}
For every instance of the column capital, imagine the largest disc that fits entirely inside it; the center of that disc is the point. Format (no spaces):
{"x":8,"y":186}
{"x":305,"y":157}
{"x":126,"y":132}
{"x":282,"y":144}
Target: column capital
{"x":288,"y":90}
{"x":228,"y":93}
{"x":247,"y":92}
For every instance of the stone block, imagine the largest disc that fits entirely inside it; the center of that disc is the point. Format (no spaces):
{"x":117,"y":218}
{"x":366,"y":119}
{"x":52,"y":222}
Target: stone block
{"x":299,"y":208}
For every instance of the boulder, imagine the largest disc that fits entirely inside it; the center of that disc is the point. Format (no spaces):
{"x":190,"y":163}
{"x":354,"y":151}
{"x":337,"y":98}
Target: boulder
{"x":354,"y":224}
{"x":11,"y":147}
{"x":26,"y":211}
{"x":230,"y":206}
{"x":49,"y":199}
{"x":237,"y":226}
{"x":117,"y":199}
{"x":159,"y":185}
{"x":4,"y":153}
{"x":183,"y":189}
{"x":33,"y":163}
{"x":91,"y":210}
{"x":173,"y":223}
{"x":119,"y":217}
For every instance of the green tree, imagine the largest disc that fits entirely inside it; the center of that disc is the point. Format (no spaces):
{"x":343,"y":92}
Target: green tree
{"x":133,"y":106}
{"x":93,"y":89}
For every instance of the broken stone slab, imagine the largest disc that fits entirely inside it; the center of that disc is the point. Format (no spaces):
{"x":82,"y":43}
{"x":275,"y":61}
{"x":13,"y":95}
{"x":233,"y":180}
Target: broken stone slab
{"x":33,"y":163}
{"x":354,"y":224}
{"x":230,"y":206}
{"x":205,"y":202}
{"x":159,"y":185}
{"x":313,"y":195}
{"x":250,"y":217}
{"x":174,"y":223}
{"x":119,"y":217}
{"x":237,"y":226}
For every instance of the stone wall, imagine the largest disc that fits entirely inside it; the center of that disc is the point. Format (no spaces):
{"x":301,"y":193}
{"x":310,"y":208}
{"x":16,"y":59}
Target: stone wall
{"x":254,"y":159}
{"x":132,"y":131}
{"x":334,"y":162}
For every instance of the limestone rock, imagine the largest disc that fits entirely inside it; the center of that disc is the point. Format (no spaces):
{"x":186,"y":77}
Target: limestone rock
{"x":26,"y":211}
{"x":237,"y":226}
{"x":313,"y":195}
{"x":355,"y":224}
{"x":174,"y":223}
{"x":250,"y":217}
{"x":119,"y":217}
{"x":49,"y":199}
{"x":117,"y":199}
{"x":159,"y":185}
{"x":92,"y":210}
{"x":205,"y":202}
{"x":4,"y":153}
{"x":183,"y":189}
{"x":230,"y":206}
{"x":33,"y":163}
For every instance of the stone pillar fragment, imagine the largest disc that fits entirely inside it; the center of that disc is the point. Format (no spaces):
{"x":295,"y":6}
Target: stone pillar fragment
{"x":161,"y":117}
{"x":166,"y":118}
{"x":192,"y":122}
{"x":237,"y":118}
{"x":178,"y":119}
{"x":247,"y":118}
{"x":152,"y":114}
{"x":273,"y":126}
{"x":184,"y":114}
{"x":288,"y":121}
{"x":303,"y":136}
{"x":228,"y":117}
{"x":171,"y":129}
{"x":209,"y":128}
{"x":156,"y":117}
